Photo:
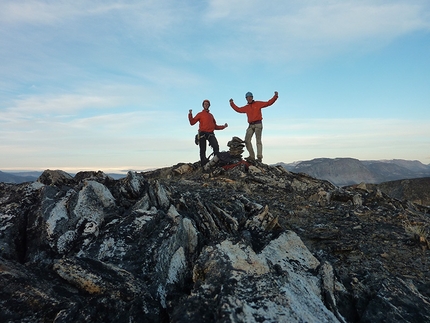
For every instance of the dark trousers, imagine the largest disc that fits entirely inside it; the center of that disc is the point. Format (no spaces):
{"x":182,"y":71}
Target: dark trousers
{"x":213,"y":142}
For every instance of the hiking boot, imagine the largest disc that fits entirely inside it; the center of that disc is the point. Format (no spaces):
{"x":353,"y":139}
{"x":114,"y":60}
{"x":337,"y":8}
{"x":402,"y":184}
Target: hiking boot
{"x":250,"y":159}
{"x":260,"y":160}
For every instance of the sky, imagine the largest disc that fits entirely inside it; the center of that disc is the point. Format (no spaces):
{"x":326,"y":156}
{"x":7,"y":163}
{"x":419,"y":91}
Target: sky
{"x":107,"y":85}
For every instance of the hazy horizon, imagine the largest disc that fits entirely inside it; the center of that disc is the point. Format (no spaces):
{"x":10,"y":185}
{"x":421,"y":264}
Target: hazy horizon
{"x":124,"y":171}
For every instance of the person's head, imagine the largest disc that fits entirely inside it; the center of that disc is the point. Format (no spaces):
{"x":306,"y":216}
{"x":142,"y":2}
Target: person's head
{"x":206,"y":104}
{"x":249,"y":97}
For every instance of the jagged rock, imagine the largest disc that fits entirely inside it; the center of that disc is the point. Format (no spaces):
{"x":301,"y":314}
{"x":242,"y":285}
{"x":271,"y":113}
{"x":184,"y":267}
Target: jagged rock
{"x":235,"y":284}
{"x":179,"y":244}
{"x":95,"y":277}
{"x":55,"y":177}
{"x":183,"y":169}
{"x":415,"y":190}
{"x":99,"y":175}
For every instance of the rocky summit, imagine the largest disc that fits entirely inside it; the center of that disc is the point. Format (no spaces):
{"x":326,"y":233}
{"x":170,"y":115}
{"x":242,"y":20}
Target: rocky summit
{"x":251,"y":243}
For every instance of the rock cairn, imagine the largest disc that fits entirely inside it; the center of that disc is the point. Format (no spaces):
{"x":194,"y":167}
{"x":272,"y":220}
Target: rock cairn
{"x":236,"y":146}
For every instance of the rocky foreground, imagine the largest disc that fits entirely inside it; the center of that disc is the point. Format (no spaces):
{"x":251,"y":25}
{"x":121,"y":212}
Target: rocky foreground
{"x":249,"y":244}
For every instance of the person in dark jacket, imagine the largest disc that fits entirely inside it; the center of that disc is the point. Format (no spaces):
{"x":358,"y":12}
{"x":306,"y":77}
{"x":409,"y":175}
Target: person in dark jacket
{"x":207,"y":125}
{"x":255,"y":124}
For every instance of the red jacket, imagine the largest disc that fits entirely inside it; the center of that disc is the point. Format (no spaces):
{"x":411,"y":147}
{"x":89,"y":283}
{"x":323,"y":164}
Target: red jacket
{"x":253,"y":109}
{"x":206,"y":121}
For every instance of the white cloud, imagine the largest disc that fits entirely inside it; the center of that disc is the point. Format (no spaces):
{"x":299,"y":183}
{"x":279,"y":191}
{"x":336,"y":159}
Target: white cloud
{"x":59,"y":105}
{"x":348,"y":127}
{"x":311,"y":29}
{"x":101,"y":97}
{"x":44,"y":12}
{"x":34,"y":12}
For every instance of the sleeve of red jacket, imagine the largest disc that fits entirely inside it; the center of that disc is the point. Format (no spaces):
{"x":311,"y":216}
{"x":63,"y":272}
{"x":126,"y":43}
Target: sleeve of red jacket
{"x":271,"y":101}
{"x":218,"y":127}
{"x":193,"y":120}
{"x":236,"y":108}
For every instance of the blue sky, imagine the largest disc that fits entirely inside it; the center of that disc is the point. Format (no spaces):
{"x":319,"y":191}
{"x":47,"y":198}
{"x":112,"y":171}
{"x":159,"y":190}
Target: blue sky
{"x":107,"y":85}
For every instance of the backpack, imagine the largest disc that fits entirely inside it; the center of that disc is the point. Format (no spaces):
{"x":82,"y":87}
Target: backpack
{"x":224,"y":158}
{"x":227,"y":161}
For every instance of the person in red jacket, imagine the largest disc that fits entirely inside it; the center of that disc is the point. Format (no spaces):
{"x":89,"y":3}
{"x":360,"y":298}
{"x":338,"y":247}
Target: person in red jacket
{"x":253,"y":112}
{"x":207,"y":125}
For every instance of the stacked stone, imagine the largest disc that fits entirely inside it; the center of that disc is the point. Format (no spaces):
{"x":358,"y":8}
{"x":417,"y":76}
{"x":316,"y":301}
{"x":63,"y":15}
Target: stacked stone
{"x":236,"y":147}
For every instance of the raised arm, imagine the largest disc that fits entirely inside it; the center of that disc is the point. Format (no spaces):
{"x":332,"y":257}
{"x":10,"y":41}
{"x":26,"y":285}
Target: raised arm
{"x":272,"y":100}
{"x":235,"y":107}
{"x":191,"y":119}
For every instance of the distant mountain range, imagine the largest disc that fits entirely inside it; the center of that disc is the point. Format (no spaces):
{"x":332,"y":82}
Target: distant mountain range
{"x":17,"y":178}
{"x":31,"y":176}
{"x":339,"y":171}
{"x":349,"y":171}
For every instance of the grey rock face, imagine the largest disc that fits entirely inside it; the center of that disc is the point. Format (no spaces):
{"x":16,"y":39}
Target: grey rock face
{"x":416,"y":190}
{"x":251,"y":244}
{"x":350,"y":171}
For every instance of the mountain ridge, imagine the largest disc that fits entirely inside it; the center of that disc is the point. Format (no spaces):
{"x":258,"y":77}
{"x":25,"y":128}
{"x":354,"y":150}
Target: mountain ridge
{"x":31,"y":176}
{"x":373,"y":171}
{"x":348,"y":171}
